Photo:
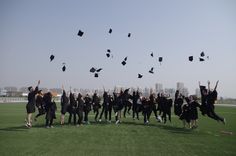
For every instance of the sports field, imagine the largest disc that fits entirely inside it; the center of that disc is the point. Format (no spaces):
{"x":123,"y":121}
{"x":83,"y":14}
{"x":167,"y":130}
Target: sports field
{"x":128,"y":138}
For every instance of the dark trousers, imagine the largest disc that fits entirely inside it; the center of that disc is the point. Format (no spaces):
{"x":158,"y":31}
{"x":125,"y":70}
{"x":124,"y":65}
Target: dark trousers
{"x":103,"y":109}
{"x":146,"y":116}
{"x":125,"y":110}
{"x":80,"y":118}
{"x":41,"y":112}
{"x":154,"y":109}
{"x":74,"y":118}
{"x":108,"y":112}
{"x":49,"y":122}
{"x":164,"y":115}
{"x":96,"y":114}
{"x":211,"y":113}
{"x":86,"y":116}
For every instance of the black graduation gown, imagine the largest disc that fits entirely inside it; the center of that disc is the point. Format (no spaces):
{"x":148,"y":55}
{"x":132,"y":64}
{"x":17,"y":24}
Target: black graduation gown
{"x":30,"y":107}
{"x":64,"y":103}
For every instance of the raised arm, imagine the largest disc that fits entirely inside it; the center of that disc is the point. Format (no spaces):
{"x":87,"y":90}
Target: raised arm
{"x":216,"y":85}
{"x":208,"y":83}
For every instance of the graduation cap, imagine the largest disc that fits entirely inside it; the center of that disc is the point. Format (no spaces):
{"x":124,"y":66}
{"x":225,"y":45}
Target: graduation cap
{"x":190,"y":58}
{"x":98,"y":70}
{"x":108,"y":50}
{"x":201,"y":59}
{"x":127,"y":90}
{"x":123,"y":63}
{"x":110,"y":31}
{"x":160,"y":59}
{"x":64,"y":68}
{"x":52,"y":57}
{"x":96,"y":75}
{"x":92,"y":70}
{"x":151,"y":70}
{"x":202,"y":54}
{"x":208,"y":57}
{"x":108,"y":55}
{"x":129,"y":34}
{"x":140,"y":76}
{"x":29,"y":88}
{"x":80,"y":33}
{"x":151,"y":54}
{"x":125,"y":59}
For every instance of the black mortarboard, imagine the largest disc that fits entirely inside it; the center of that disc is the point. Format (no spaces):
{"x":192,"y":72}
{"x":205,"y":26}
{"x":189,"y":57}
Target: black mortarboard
{"x":202,"y":54}
{"x":107,"y":54}
{"x":29,"y":88}
{"x":123,"y":63}
{"x":201,"y":59}
{"x":208,"y":57}
{"x":190,"y":58}
{"x":80,"y":33}
{"x":160,"y":59}
{"x":64,"y":68}
{"x":108,"y":50}
{"x":96,"y":75}
{"x":140,"y":76}
{"x":202,"y":87}
{"x":98,"y":70}
{"x":110,"y":30}
{"x":151,"y":54}
{"x":92,"y":70}
{"x":151,"y":70}
{"x":129,"y":34}
{"x":51,"y":57}
{"x":125,"y":59}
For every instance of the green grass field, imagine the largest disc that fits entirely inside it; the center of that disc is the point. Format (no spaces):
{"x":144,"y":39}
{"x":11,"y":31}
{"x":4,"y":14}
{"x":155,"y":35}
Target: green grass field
{"x":129,"y":138}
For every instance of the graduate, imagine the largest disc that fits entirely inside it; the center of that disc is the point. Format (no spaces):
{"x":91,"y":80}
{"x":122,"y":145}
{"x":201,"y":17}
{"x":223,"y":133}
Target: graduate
{"x":30,"y":107}
{"x":80,"y":109}
{"x":185,"y":115}
{"x":87,"y":108}
{"x":152,"y":101}
{"x":118,"y":106}
{"x":109,"y":108}
{"x":167,"y":104}
{"x":127,"y":104}
{"x":178,"y":104}
{"x":134,"y":104}
{"x":160,"y":103}
{"x":72,"y":108}
{"x":40,"y":105}
{"x":64,"y":106}
{"x":96,"y":105}
{"x":105,"y":105}
{"x":146,"y":109}
{"x":50,"y":108}
{"x":193,"y":113}
{"x":210,"y":108}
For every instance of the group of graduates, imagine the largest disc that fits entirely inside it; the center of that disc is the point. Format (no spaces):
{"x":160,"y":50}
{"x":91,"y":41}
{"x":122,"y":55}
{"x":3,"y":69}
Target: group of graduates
{"x":79,"y":106}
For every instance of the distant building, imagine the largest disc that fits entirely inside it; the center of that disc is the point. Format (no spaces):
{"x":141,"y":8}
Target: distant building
{"x":183,"y":90}
{"x":159,"y":87}
{"x":10,"y":89}
{"x":3,"y":92}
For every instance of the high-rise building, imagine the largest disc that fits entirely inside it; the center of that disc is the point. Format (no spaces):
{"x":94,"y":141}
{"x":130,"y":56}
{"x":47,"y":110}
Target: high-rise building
{"x":180,"y":86}
{"x":159,"y":87}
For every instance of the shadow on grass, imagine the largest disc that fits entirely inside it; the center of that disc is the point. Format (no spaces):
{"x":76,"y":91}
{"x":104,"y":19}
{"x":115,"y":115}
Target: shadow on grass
{"x":169,"y":128}
{"x":15,"y":128}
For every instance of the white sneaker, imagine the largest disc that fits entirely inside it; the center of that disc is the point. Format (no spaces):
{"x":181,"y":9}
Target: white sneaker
{"x":117,"y":121}
{"x":100,"y":120}
{"x":51,"y":127}
{"x":47,"y":127}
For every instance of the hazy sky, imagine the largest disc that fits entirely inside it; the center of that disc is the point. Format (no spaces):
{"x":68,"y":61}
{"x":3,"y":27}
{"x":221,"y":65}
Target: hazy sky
{"x":32,"y":30}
